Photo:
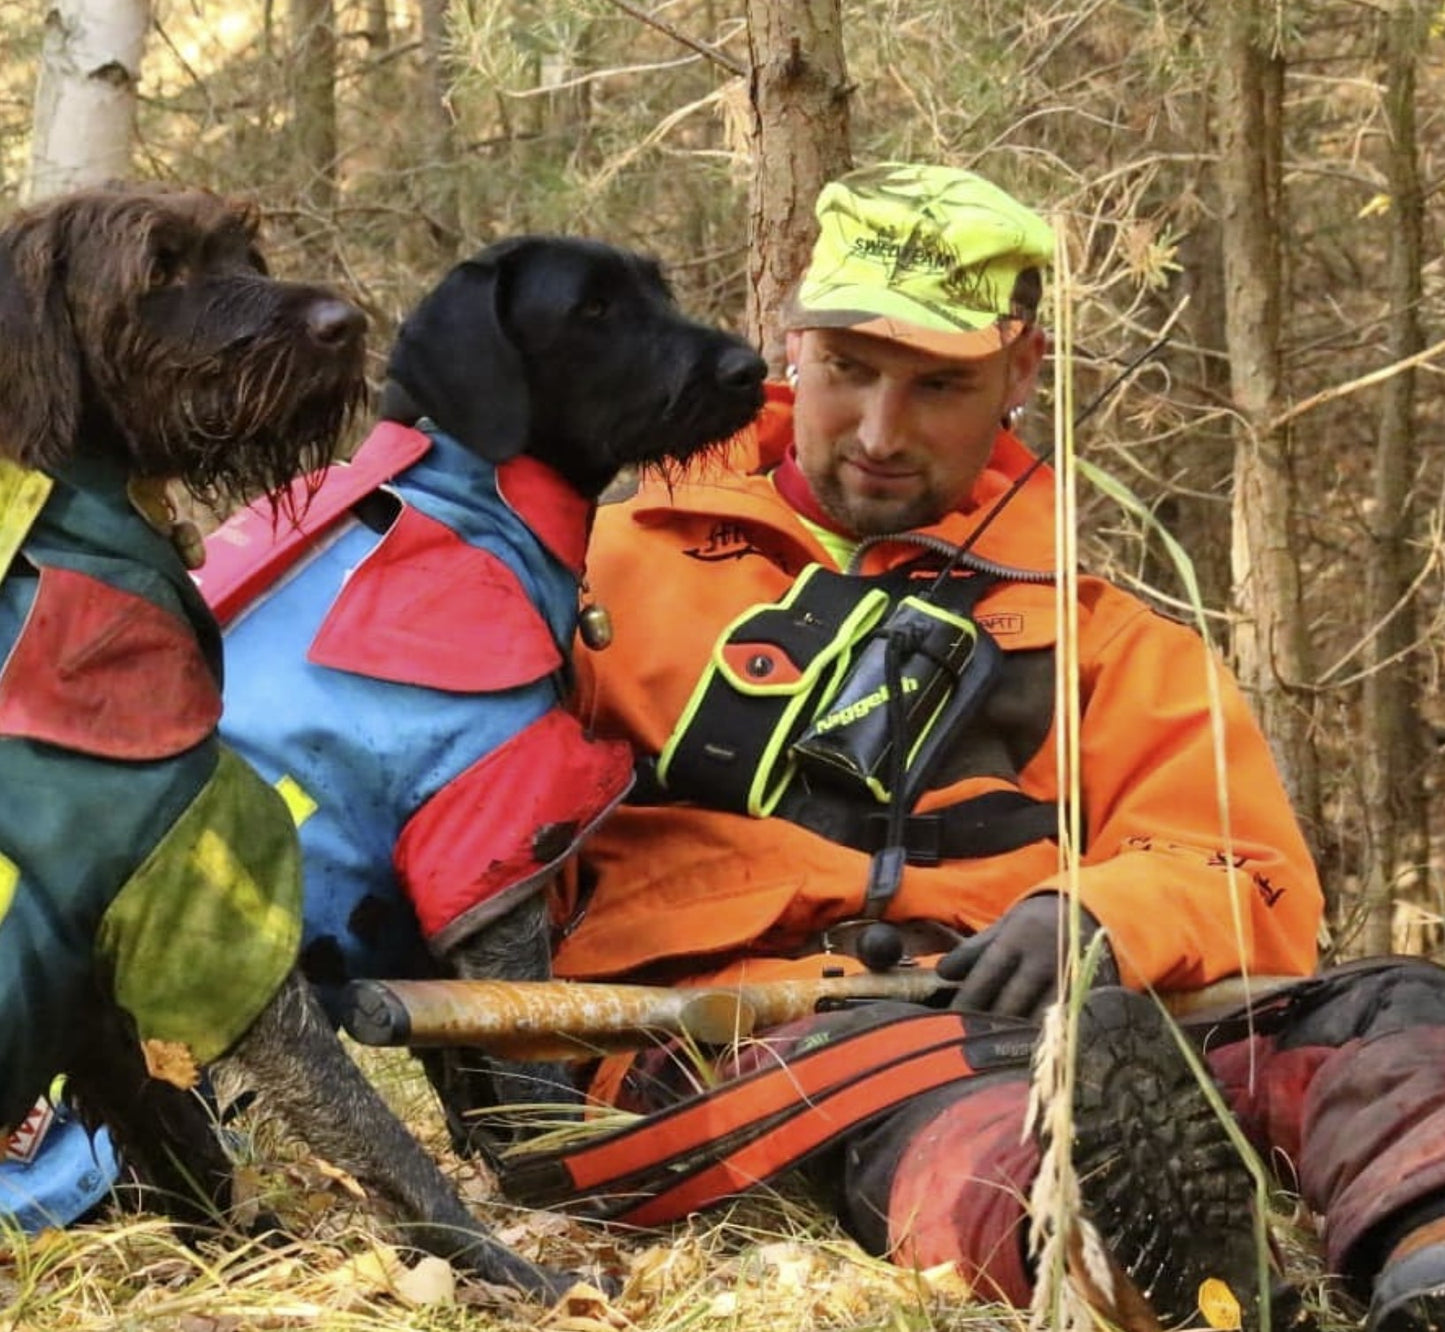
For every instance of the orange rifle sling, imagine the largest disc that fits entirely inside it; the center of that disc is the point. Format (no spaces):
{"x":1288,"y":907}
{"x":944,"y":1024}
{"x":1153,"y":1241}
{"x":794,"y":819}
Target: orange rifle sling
{"x":692,"y":1148}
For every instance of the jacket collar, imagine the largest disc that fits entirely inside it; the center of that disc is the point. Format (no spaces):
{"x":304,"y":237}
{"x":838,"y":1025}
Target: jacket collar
{"x":1024,"y":539}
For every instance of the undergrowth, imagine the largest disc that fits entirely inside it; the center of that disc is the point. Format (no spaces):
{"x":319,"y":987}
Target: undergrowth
{"x":770,"y":1263}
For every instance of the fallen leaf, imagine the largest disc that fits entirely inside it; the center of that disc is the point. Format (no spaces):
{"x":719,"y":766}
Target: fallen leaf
{"x":347,"y":1180}
{"x":650,"y":1269}
{"x":369,"y":1273}
{"x":535,"y":1226}
{"x":171,"y":1061}
{"x":431,"y":1282}
{"x":791,"y":1263}
{"x":1219,"y":1305}
{"x":946,"y":1279}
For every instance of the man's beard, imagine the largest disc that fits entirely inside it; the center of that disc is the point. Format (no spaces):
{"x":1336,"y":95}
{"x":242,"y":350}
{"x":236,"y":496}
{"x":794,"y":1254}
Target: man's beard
{"x":864,"y":517}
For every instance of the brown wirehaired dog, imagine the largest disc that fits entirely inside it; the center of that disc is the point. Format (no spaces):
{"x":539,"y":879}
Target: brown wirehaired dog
{"x":150,"y":890}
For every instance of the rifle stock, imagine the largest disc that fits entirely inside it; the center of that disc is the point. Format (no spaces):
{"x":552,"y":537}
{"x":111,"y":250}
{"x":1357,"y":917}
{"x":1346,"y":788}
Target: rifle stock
{"x":582,"y":1019}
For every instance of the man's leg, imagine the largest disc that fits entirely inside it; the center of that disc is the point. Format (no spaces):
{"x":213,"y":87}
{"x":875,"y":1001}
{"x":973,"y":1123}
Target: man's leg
{"x":1349,"y":1090}
{"x":946,"y":1178}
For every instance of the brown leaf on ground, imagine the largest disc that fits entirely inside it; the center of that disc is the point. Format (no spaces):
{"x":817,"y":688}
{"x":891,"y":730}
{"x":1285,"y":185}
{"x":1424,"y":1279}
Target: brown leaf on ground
{"x":339,"y":1176}
{"x":171,"y":1061}
{"x":584,"y":1308}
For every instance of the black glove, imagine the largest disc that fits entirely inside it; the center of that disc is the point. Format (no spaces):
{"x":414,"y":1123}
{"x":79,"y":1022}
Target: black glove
{"x":1010,"y":968}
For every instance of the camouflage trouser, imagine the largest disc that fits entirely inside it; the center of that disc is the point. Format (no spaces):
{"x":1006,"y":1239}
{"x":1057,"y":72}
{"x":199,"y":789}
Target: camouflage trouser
{"x":1341,"y":1087}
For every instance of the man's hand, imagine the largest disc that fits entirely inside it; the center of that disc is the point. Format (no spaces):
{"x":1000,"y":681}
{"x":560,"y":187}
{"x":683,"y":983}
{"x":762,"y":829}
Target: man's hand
{"x":1010,"y":968}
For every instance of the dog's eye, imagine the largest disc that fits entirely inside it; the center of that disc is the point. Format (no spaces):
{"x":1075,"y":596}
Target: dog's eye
{"x":166,"y":266}
{"x":594,"y":307}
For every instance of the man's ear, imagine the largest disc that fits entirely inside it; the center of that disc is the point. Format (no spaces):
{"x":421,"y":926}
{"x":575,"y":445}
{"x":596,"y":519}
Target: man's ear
{"x":1026,"y":357}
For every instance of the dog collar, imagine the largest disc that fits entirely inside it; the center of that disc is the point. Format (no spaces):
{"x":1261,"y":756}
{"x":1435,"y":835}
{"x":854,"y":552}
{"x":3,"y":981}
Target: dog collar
{"x":559,"y":516}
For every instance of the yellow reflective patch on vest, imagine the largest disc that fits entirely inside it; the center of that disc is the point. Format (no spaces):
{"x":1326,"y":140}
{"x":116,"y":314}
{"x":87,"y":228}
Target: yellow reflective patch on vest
{"x":221,"y":870}
{"x":301,"y":805}
{"x":206,"y":929}
{"x":22,"y":495}
{"x":9,"y":881}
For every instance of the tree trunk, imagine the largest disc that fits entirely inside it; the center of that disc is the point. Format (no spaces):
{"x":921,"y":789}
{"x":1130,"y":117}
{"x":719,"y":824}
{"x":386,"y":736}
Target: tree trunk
{"x":85,"y":96}
{"x":1271,"y":645}
{"x":313,"y":36}
{"x":800,"y":142}
{"x":1392,"y":728}
{"x":1198,"y":515}
{"x":441,"y":195}
{"x":377,"y":26}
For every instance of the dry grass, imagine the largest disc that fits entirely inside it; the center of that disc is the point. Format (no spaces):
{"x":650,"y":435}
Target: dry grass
{"x":773,"y":1263}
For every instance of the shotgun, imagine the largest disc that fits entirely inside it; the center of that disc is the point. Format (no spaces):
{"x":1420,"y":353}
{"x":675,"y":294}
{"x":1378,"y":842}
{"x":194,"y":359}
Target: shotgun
{"x":535,"y":1020}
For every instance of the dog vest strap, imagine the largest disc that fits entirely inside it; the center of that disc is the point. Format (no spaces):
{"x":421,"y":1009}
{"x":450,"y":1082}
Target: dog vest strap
{"x":251,"y":550}
{"x":770,"y":671}
{"x":753,"y":1128}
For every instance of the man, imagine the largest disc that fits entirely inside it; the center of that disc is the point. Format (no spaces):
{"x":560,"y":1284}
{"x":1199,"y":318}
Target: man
{"x":875,"y":561}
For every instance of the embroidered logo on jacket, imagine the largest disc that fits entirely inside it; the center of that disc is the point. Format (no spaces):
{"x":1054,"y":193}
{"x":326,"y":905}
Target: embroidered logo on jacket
{"x":726,"y":541}
{"x":1002,"y":623}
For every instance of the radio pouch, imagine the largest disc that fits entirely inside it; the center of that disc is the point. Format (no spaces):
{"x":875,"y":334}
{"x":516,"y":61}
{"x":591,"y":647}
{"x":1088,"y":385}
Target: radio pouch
{"x":769,"y":673}
{"x":939,"y":663}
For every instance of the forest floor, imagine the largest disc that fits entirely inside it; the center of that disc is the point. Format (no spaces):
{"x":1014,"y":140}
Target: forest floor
{"x":772,"y":1263}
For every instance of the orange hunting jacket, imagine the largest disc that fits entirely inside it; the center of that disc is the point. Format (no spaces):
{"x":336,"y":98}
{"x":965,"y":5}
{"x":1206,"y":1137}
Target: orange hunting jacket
{"x":691,"y":893}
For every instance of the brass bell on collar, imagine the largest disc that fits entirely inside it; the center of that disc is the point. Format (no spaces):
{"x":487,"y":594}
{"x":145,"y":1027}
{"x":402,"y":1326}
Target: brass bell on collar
{"x":594,"y":623}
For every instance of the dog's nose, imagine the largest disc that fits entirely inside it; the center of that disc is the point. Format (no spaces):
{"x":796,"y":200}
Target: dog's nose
{"x":740,"y":368}
{"x":334,"y":323}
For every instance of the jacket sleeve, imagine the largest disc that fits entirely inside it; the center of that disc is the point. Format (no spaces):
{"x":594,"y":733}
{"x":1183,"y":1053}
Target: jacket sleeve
{"x":1194,"y":862}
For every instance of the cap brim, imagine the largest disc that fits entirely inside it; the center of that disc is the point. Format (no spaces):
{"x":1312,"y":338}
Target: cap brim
{"x":964,"y":344}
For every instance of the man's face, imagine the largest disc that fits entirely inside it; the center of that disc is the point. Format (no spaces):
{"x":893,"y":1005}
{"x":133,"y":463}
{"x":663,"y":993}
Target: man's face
{"x":892,"y":438}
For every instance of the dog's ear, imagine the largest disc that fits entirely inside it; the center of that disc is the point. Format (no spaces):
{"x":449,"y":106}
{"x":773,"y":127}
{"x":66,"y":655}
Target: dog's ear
{"x":457,"y":364}
{"x":40,"y":369}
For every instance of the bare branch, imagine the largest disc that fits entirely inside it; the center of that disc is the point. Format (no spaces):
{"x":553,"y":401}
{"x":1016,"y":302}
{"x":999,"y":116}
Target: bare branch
{"x":702,"y":48}
{"x":1364,"y":381}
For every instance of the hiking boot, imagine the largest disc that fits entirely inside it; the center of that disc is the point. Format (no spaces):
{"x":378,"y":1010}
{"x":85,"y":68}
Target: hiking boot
{"x":1409,"y":1293}
{"x":1160,"y":1180}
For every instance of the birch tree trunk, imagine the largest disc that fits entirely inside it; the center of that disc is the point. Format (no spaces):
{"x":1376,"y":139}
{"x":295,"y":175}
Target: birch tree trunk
{"x":85,"y":96}
{"x":1394,"y":753}
{"x":799,"y":98}
{"x":1271,"y":645}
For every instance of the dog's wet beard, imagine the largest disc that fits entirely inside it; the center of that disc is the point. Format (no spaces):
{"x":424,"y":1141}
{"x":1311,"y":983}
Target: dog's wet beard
{"x":689,"y":431}
{"x":671,"y":468}
{"x":254,"y":421}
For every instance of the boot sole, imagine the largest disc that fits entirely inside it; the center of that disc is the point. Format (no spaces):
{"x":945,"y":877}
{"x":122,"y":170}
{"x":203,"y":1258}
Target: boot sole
{"x":1162,"y":1183}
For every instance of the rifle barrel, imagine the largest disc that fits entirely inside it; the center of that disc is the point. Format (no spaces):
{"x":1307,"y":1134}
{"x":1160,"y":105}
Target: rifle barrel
{"x":561,"y":1019}
{"x":580,"y":1019}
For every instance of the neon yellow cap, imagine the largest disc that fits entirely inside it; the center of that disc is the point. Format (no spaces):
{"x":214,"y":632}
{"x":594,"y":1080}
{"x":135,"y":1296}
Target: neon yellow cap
{"x":930,"y":256}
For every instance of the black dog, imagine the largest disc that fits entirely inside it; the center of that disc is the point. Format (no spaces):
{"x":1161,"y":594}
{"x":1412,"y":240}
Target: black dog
{"x":406,"y":678}
{"x":149,"y":881}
